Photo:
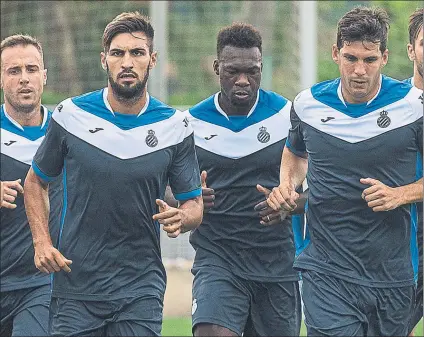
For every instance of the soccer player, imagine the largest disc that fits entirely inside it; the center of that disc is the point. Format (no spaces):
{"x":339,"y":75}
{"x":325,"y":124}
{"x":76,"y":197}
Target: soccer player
{"x":244,"y":282}
{"x":118,"y":147}
{"x":357,"y":138}
{"x":415,"y":54}
{"x":25,"y":291}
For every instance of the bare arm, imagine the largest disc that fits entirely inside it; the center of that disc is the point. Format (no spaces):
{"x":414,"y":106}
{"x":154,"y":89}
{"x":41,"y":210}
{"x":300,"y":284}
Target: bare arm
{"x":47,"y":258}
{"x":192,"y":213}
{"x":293,"y":169}
{"x":292,"y":174}
{"x":37,"y":208}
{"x":381,"y":197}
{"x":180,"y":220}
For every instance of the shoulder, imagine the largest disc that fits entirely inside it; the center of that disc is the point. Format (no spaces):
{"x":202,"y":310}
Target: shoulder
{"x":202,"y":109}
{"x":91,"y":101}
{"x":272,"y":100}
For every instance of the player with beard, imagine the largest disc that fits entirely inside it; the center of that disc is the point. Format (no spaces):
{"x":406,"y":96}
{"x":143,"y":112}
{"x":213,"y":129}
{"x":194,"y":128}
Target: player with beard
{"x":119,"y":147}
{"x":415,"y":54}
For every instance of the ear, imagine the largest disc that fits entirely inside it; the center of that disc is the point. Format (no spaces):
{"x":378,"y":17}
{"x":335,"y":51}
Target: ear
{"x":216,"y":67}
{"x":103,"y":60}
{"x":385,"y":57}
{"x":153,"y":60}
{"x":335,"y":53}
{"x":411,"y":52}
{"x":45,"y":76}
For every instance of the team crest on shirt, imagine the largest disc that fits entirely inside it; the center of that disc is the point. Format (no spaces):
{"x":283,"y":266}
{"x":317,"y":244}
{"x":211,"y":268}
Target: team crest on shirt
{"x":151,"y":139}
{"x":383,"y":121}
{"x":421,"y":98}
{"x":263,"y":135}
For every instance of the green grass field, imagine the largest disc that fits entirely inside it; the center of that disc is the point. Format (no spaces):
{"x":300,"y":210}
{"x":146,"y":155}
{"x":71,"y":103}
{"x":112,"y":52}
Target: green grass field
{"x":182,"y":327}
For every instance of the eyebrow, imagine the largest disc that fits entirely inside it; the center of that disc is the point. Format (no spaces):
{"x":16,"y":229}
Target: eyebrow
{"x":132,"y":49}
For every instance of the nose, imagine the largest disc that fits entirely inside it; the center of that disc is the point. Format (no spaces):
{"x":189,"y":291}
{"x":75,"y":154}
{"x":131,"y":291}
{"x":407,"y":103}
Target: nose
{"x":360,"y":68}
{"x":242,"y":81}
{"x":24,"y":78}
{"x":127,"y":62}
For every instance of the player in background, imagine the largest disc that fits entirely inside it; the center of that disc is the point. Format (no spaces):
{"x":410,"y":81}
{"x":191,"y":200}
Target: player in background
{"x":415,"y":54}
{"x":118,"y":147}
{"x":244,"y":282}
{"x":356,"y":138}
{"x":25,"y":291}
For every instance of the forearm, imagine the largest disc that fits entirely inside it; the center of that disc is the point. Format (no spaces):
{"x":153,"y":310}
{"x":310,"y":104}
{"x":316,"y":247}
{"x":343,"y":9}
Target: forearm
{"x":191,"y":213}
{"x":411,"y":193}
{"x":293,"y":168}
{"x":37,"y":208}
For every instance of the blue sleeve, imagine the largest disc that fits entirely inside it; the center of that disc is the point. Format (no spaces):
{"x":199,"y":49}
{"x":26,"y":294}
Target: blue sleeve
{"x":49,"y":158}
{"x":295,"y":141}
{"x":184,"y":174}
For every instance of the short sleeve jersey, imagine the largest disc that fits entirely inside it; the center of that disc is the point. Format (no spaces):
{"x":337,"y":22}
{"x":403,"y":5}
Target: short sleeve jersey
{"x":237,"y":157}
{"x":115,"y":166}
{"x":344,"y":143}
{"x":18,"y":147}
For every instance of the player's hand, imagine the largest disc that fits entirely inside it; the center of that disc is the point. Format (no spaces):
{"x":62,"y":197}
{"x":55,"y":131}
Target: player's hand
{"x":9,"y":192}
{"x":379,"y":196}
{"x":267,"y":214}
{"x":170,"y":218}
{"x":283,"y":198}
{"x":48,"y":259}
{"x":208,"y":194}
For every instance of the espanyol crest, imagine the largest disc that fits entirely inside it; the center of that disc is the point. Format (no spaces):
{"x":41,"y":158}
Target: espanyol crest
{"x":151,"y":139}
{"x":263,"y":135}
{"x":383,"y":121}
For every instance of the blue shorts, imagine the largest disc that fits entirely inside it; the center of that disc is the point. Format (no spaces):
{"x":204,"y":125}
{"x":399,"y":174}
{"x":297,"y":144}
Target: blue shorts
{"x":25,"y":312}
{"x":245,"y":306}
{"x":418,"y":310}
{"x":139,"y":316}
{"x":334,"y":307}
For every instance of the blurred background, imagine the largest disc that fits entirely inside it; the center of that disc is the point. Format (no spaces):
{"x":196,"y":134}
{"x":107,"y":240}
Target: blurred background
{"x":297,"y":40}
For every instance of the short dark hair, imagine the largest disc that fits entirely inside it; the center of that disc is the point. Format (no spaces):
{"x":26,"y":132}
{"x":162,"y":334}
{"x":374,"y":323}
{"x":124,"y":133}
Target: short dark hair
{"x":128,"y":22}
{"x":415,"y":25}
{"x":21,"y":40}
{"x":363,"y":24}
{"x":240,"y":35}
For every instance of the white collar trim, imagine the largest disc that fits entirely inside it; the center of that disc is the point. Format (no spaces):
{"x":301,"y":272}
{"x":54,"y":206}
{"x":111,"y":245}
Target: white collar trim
{"x":143,"y":110}
{"x":339,"y":91}
{"x":222,"y":112}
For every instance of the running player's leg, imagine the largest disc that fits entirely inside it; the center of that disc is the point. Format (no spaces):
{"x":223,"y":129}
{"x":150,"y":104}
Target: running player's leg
{"x":221,"y":303}
{"x":275,"y":309}
{"x":331,"y":306}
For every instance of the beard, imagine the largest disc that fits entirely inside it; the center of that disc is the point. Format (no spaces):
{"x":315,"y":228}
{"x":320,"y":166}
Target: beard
{"x":126,"y":92}
{"x":24,"y":108}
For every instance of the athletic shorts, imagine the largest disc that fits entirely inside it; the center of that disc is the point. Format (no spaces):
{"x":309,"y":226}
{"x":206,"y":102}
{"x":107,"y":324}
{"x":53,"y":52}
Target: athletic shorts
{"x":334,"y":307}
{"x":140,"y":316}
{"x":245,"y":306}
{"x":25,"y":312}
